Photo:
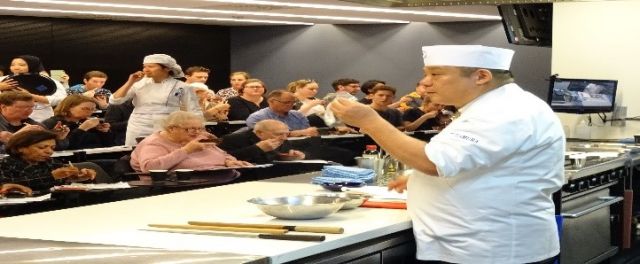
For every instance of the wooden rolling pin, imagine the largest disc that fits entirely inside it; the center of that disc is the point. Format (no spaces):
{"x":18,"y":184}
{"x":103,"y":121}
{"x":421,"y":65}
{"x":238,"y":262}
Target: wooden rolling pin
{"x":224,"y":228}
{"x":309,"y":229}
{"x":314,"y":238}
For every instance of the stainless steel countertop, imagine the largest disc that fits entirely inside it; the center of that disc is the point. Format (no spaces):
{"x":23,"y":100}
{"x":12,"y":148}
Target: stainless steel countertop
{"x":17,"y":250}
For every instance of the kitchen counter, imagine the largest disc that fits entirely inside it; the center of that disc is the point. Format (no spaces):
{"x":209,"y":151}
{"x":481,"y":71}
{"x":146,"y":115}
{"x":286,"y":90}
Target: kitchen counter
{"x":122,"y":223}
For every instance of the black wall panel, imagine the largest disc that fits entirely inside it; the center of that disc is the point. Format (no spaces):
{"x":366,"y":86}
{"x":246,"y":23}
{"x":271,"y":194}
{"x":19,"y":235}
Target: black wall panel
{"x":115,"y":47}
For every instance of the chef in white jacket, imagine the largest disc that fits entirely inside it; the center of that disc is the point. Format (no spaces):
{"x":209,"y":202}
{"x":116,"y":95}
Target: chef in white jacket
{"x":156,"y":93}
{"x":481,"y":189}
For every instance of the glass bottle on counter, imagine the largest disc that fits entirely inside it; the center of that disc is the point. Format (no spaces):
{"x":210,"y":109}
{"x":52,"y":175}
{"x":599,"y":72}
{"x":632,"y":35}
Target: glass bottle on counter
{"x":371,"y":151}
{"x":389,"y":170}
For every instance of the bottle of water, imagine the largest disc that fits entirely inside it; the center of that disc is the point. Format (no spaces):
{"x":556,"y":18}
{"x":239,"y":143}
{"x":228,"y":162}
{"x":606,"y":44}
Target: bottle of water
{"x":389,"y":170}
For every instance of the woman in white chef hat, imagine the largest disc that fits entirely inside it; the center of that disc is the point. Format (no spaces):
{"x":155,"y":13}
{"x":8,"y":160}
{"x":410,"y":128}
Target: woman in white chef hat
{"x":481,"y":191}
{"x":155,"y":93}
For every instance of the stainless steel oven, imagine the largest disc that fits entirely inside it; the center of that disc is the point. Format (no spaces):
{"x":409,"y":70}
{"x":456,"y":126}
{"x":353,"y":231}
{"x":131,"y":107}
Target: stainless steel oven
{"x":586,"y":202}
{"x":586,"y":226}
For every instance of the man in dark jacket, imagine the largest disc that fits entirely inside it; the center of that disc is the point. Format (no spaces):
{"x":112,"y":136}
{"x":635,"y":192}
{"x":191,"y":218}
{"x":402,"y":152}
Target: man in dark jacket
{"x":265,"y":143}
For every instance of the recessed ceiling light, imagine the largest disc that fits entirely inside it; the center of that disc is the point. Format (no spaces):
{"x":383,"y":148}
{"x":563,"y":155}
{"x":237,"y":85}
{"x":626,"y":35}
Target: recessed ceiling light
{"x":358,"y":9}
{"x":212,"y":11}
{"x":121,"y":14}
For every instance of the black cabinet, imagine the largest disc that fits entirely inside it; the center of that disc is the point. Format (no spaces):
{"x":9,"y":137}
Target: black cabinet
{"x":395,"y":248}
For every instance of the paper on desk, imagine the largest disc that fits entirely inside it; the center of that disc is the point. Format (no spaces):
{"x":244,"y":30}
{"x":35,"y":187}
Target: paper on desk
{"x":342,"y":136}
{"x":108,"y":149}
{"x":93,"y":186}
{"x":316,"y":161}
{"x":25,"y":200}
{"x":255,"y":166}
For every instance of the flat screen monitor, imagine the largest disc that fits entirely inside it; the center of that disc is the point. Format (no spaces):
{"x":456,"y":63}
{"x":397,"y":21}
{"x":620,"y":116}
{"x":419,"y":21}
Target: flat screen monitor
{"x":528,"y":24}
{"x":582,"y":96}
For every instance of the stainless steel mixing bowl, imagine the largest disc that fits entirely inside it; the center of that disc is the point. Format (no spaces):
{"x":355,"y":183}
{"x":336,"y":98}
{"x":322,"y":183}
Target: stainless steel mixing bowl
{"x":299,"y":207}
{"x":353,"y":200}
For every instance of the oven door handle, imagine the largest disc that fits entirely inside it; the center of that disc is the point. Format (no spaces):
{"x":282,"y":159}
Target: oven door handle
{"x":607,"y":201}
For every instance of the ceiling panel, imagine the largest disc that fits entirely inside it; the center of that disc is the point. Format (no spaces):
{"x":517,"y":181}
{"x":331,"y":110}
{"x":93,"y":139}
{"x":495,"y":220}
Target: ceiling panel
{"x":240,"y":14}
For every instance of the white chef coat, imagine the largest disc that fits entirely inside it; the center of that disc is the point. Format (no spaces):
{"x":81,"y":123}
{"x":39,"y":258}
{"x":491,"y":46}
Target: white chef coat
{"x":498,"y":165}
{"x":154,"y":101}
{"x":42,"y":111}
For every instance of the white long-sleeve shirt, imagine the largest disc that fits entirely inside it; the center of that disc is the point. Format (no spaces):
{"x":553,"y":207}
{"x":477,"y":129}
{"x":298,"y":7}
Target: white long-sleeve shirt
{"x":498,"y":164}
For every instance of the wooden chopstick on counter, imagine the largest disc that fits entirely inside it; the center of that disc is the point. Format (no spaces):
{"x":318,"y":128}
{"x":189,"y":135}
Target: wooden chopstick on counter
{"x":314,"y":238}
{"x":223,"y":228}
{"x":309,"y":229}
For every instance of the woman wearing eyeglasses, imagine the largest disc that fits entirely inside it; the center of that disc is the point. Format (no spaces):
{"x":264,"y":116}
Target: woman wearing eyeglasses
{"x":251,"y":99}
{"x":85,"y":132}
{"x":182,"y":143}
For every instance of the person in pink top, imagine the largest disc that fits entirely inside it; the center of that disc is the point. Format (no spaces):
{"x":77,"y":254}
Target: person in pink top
{"x":182,"y":144}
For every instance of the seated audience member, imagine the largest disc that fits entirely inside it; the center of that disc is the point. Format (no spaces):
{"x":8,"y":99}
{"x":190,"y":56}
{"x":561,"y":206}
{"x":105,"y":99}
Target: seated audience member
{"x":424,"y":117}
{"x":213,"y":108}
{"x":250,"y":100}
{"x":366,"y":89}
{"x":93,"y":82}
{"x":236,"y":79}
{"x":345,"y":88}
{"x":196,"y":74}
{"x":15,"y":109}
{"x":281,"y":109}
{"x":178,"y":146}
{"x":28,"y":64}
{"x":29,"y":162}
{"x":413,"y":99}
{"x":305,"y":92}
{"x":266,"y":143}
{"x":446,"y":116}
{"x":117,"y":115}
{"x":86,"y":131}
{"x":381,"y":98}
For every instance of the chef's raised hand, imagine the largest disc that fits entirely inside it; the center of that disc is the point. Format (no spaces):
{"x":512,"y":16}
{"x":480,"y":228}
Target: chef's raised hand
{"x":354,"y":113}
{"x":399,"y":183}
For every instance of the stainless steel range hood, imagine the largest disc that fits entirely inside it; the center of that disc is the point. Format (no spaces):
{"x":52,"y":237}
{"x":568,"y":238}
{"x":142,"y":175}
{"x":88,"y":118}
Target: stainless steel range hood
{"x":418,"y":3}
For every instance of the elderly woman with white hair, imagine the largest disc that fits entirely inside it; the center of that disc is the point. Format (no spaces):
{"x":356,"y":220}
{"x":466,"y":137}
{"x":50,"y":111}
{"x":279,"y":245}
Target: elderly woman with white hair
{"x":155,"y":93}
{"x":182,"y":143}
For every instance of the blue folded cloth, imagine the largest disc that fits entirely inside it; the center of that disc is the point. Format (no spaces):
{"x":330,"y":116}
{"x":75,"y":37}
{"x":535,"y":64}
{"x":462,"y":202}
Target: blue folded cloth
{"x":331,"y":180}
{"x":353,"y":173}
